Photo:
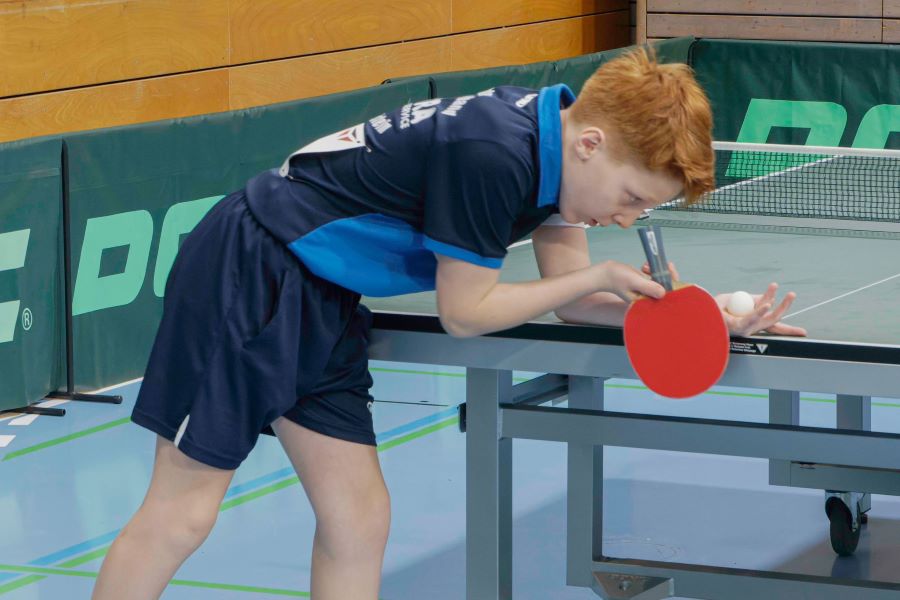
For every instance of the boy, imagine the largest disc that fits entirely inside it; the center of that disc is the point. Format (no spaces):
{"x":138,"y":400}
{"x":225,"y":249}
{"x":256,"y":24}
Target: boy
{"x":262,"y":328}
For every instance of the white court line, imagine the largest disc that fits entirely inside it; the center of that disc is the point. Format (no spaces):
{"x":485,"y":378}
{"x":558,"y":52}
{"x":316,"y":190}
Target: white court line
{"x":23,"y":421}
{"x":116,"y":385}
{"x":865,"y":287}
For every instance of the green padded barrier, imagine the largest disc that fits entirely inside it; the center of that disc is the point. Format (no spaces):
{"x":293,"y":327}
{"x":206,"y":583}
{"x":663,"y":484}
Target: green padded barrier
{"x":461,"y":83}
{"x":31,"y":297}
{"x":802,"y":92}
{"x":136,"y":190}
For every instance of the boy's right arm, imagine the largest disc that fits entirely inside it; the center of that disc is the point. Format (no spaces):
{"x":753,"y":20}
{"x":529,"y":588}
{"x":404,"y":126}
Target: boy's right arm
{"x":471,"y":300}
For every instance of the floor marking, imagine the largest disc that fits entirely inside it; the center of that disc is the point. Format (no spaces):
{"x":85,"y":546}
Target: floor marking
{"x":23,"y":421}
{"x":116,"y":385}
{"x":51,"y":403}
{"x":5,"y":440}
{"x":865,"y":287}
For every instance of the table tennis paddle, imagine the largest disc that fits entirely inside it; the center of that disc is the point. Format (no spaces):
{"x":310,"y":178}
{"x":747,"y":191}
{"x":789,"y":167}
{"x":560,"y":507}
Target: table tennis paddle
{"x":678,"y":345}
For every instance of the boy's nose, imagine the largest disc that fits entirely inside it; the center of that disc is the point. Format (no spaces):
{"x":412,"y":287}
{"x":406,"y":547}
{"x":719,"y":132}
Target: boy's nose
{"x":625,"y":221}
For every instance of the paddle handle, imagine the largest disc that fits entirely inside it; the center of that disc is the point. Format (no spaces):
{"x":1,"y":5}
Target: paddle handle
{"x":651,"y":239}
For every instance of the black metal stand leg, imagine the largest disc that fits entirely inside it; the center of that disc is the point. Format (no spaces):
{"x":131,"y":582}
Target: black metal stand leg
{"x":70,"y":393}
{"x":43,"y":411}
{"x":78,"y":397}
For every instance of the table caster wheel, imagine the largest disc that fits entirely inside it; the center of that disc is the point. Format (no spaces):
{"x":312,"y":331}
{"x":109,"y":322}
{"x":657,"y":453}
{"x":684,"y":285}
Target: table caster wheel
{"x":844,"y":539}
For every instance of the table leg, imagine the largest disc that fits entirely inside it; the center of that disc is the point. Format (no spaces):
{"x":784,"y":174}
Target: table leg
{"x":584,"y":497}
{"x":855,"y":412}
{"x":488,"y":487}
{"x":784,"y":409}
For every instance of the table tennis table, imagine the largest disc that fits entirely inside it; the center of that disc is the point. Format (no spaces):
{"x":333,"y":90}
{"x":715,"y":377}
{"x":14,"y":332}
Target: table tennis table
{"x":846,"y":274}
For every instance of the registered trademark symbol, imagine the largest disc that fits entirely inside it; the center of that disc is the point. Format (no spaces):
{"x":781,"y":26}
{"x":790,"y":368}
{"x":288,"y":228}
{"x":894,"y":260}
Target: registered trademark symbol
{"x":27,"y":319}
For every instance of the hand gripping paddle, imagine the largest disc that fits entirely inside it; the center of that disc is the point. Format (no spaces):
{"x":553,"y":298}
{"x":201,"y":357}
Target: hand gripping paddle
{"x":678,"y":345}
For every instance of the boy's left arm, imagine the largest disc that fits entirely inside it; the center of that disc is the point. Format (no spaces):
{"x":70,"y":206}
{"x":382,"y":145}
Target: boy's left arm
{"x":562,"y":249}
{"x":559,"y":250}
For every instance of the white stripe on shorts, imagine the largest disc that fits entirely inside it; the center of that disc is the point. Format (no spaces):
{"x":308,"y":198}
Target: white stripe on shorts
{"x":181,"y":430}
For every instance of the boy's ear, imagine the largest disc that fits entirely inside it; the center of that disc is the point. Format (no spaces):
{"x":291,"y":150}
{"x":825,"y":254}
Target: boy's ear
{"x":589,"y":141}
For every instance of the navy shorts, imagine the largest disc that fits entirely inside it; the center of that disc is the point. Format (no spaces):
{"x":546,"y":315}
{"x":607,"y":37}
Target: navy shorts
{"x":248,"y":335}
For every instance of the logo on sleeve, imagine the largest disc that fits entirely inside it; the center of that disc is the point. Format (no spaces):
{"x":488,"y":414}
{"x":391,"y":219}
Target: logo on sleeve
{"x":525,"y":100}
{"x":346,"y":139}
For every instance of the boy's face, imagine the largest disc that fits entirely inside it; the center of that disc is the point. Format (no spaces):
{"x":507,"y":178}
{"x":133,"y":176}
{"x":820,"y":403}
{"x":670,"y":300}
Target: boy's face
{"x":599,"y":189}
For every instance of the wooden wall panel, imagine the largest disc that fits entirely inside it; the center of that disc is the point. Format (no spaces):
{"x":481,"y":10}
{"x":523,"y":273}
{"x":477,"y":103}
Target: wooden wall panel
{"x":71,"y":65}
{"x":892,"y":9}
{"x":114,"y":104}
{"x":543,"y":41}
{"x":55,"y":44}
{"x":274,"y":29}
{"x":282,"y":80}
{"x":277,"y":81}
{"x":892,"y":31}
{"x":831,"y":8}
{"x":640,"y":27}
{"x":765,"y":28}
{"x":471,"y":15}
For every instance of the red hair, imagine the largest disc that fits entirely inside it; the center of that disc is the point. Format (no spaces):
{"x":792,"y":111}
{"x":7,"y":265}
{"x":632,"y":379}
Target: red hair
{"x":656,"y":114}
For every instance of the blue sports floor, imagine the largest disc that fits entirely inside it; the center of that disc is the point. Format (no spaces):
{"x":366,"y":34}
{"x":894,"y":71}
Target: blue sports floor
{"x":67,"y":485}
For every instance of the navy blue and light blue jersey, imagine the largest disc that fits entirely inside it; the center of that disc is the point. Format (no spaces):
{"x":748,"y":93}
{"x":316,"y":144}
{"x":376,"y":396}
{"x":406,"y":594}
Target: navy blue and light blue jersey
{"x":368,"y":207}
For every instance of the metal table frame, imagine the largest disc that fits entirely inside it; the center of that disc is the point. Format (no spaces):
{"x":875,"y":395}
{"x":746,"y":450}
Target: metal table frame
{"x":578,"y":360}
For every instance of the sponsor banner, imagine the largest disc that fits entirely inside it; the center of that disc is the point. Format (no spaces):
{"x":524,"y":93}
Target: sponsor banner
{"x":802,"y":92}
{"x":31,"y":288}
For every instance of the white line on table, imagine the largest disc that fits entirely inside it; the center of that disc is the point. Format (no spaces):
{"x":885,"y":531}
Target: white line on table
{"x":865,"y":287}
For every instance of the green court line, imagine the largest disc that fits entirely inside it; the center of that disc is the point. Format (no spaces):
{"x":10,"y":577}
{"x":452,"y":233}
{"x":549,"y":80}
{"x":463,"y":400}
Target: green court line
{"x":417,"y":434}
{"x":265,"y":491}
{"x":18,"y":583}
{"x":50,"y":571}
{"x":62,"y":569}
{"x":414,"y":372}
{"x":67,"y":438}
{"x":47,"y":571}
{"x":239,"y":588}
{"x":85,"y":558}
{"x":280,"y":485}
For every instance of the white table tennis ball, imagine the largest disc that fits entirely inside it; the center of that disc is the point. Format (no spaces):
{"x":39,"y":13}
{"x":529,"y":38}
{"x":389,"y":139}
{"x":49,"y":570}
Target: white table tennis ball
{"x":740,"y":304}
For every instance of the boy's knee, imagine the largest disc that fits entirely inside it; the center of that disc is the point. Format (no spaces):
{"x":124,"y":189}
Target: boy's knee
{"x":358,"y":527}
{"x":183,"y":527}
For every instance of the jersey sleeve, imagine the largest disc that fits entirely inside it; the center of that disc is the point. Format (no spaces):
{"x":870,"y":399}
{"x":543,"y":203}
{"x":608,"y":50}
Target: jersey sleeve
{"x":474,"y":192}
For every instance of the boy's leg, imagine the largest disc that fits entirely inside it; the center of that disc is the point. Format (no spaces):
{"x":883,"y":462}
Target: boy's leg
{"x":177,"y":514}
{"x":344,"y":483}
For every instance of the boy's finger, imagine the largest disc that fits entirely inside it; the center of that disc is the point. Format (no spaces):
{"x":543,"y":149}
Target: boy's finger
{"x":652,"y":289}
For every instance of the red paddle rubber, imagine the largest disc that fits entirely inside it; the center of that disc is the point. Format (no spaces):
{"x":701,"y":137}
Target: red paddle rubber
{"x":677,"y":345}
